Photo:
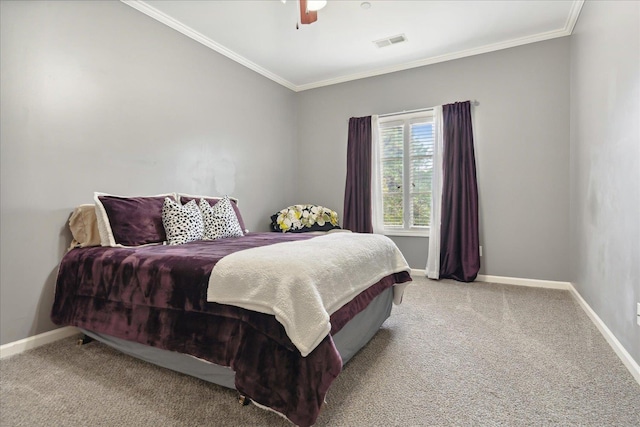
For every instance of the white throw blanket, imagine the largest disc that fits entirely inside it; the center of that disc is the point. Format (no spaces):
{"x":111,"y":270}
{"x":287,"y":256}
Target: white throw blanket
{"x":303,"y":282}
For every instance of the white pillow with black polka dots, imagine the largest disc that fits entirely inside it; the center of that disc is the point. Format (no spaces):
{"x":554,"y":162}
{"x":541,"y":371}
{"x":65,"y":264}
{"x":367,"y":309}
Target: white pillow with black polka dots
{"x":182,"y":223}
{"x":220,"y":220}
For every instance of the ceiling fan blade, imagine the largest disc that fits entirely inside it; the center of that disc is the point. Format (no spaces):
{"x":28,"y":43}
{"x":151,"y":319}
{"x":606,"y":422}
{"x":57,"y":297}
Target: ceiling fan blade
{"x":307,"y":16}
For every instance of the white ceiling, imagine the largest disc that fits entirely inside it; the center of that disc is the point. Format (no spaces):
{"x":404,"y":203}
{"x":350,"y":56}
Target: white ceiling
{"x":338,"y":47}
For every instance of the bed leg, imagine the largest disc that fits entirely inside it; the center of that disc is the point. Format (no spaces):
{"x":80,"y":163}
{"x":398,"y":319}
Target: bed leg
{"x":85,"y":339}
{"x":243,"y":400}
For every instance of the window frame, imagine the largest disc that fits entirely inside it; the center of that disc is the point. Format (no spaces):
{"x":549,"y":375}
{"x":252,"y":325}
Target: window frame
{"x":428,"y":116}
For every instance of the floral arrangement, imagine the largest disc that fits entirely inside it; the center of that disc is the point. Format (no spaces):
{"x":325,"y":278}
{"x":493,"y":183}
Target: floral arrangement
{"x":304,"y":218}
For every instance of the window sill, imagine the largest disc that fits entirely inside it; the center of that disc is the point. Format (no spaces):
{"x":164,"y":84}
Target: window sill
{"x":402,"y":233}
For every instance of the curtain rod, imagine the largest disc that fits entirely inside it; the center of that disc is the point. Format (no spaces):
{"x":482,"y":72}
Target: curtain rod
{"x":419,"y":110}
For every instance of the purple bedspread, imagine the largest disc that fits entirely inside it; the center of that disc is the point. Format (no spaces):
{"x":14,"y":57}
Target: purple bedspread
{"x":156,"y":295}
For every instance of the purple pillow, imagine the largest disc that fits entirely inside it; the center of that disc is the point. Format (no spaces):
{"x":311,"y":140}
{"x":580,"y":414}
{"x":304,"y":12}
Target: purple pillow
{"x":186,"y":198}
{"x":130,"y":221}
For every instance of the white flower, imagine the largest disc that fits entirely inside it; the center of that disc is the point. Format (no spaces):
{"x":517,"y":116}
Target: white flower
{"x":284,"y":222}
{"x":305,"y":216}
{"x":294,"y":216}
{"x":334,"y":218}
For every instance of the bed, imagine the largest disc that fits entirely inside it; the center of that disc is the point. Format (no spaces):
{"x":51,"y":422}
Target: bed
{"x":158,"y":303}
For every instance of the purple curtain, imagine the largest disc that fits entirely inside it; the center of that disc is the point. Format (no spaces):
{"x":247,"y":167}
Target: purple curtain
{"x":459,"y":239}
{"x":357,"y":192}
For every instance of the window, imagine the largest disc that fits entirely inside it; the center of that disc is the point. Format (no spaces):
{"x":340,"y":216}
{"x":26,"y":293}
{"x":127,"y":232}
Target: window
{"x":406,"y":168}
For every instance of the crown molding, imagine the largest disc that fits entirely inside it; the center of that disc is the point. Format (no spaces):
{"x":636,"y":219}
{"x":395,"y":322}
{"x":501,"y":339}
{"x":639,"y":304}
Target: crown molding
{"x":154,"y":13}
{"x":189,"y":32}
{"x":437,"y":59}
{"x":574,"y":13}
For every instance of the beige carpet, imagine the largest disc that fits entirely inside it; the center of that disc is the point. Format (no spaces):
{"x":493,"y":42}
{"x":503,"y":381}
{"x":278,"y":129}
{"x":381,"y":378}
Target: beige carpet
{"x":452,"y":354}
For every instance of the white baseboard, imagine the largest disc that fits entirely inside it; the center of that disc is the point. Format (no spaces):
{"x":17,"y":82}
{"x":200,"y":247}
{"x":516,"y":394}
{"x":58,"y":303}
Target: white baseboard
{"x":618,"y":348}
{"x":622,"y":353}
{"x":17,"y":347}
{"x":536,"y":283}
{"x":28,"y":343}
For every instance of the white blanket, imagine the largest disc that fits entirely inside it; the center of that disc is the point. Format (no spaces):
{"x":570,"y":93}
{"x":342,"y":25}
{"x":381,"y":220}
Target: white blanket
{"x":303,"y":282}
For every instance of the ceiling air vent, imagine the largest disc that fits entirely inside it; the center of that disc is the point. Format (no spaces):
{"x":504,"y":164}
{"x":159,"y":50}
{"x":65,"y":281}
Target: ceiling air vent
{"x":400,"y":38}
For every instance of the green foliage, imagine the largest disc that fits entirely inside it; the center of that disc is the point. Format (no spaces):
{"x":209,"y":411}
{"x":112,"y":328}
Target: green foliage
{"x":420,"y":174}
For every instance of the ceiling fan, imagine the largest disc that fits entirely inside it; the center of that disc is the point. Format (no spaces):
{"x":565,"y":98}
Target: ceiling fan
{"x":309,"y":10}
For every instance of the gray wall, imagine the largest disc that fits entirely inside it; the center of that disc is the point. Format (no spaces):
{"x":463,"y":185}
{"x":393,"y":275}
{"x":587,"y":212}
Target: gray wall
{"x":605,"y":164}
{"x":96,"y":96}
{"x":521,"y":128}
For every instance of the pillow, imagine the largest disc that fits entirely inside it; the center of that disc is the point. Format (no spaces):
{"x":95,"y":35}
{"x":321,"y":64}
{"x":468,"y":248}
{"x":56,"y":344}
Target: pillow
{"x":220,"y":220}
{"x":84,"y":227}
{"x":130,"y":221}
{"x":182,"y":224}
{"x":185,"y":198}
{"x":304,"y":218}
